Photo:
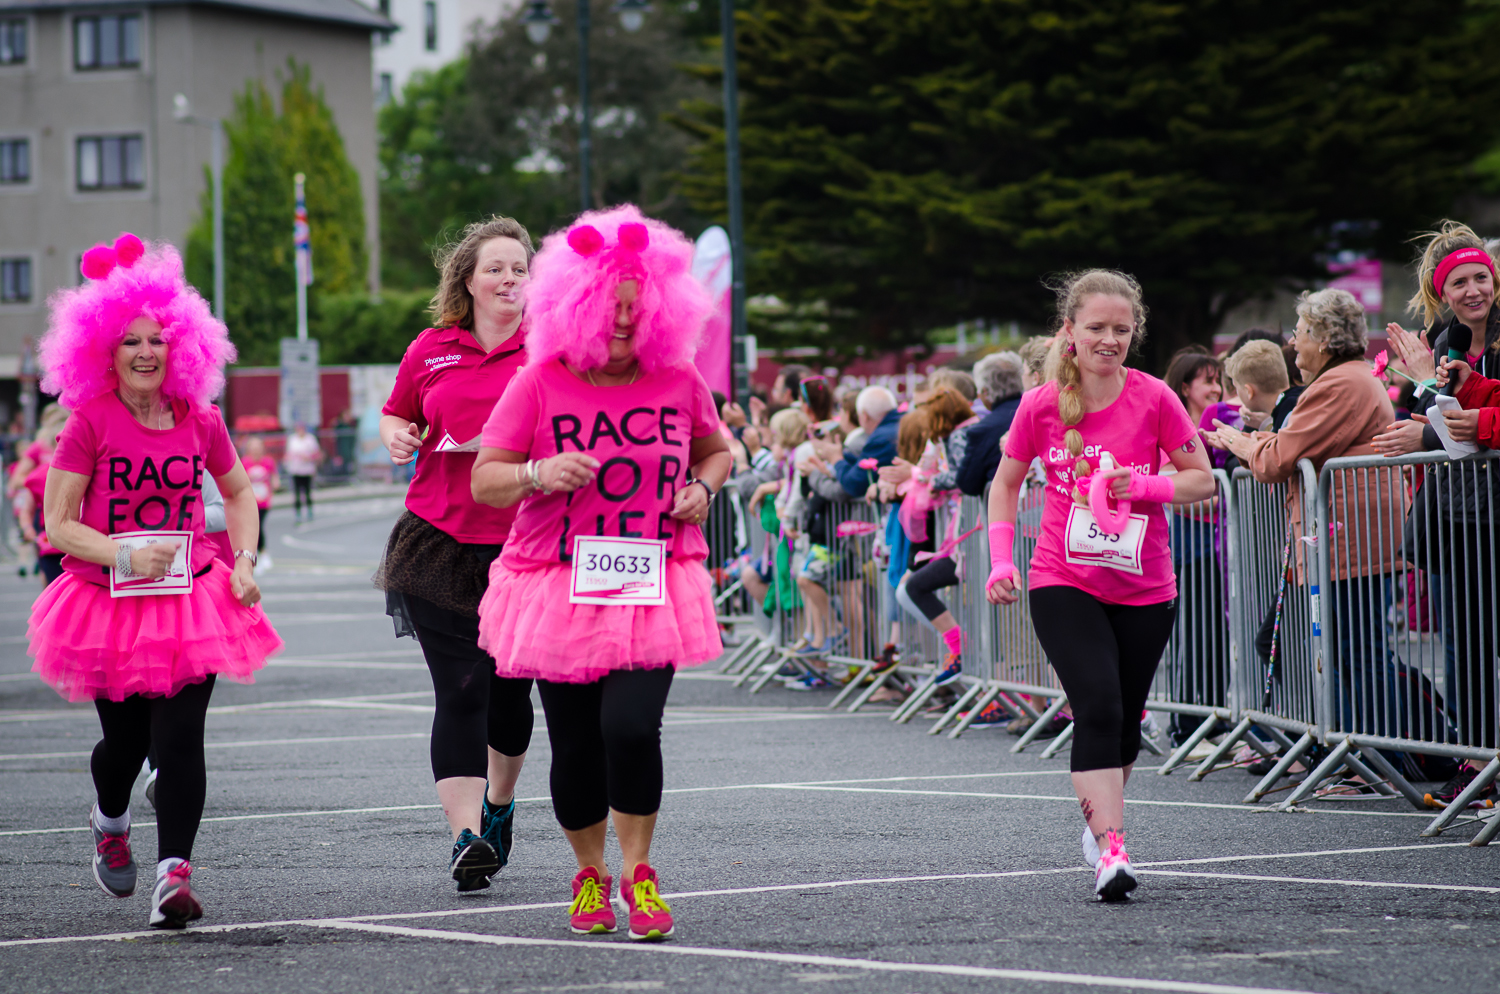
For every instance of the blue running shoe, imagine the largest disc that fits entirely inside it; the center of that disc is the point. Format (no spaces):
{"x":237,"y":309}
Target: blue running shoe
{"x":474,"y":862}
{"x":809,"y":681}
{"x":951,"y":672}
{"x":496,"y":827}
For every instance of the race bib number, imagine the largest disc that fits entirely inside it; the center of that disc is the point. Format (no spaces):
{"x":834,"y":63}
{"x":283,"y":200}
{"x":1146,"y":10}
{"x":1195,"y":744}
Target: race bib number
{"x":179,"y":577}
{"x":1090,"y":545}
{"x":630,"y":571}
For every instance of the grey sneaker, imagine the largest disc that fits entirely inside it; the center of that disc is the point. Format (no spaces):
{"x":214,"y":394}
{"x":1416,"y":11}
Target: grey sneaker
{"x":173,"y":903}
{"x":114,"y":866}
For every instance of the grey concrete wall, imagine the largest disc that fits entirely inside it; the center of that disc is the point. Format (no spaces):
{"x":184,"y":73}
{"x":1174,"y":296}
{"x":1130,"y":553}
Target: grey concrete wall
{"x":207,"y":53}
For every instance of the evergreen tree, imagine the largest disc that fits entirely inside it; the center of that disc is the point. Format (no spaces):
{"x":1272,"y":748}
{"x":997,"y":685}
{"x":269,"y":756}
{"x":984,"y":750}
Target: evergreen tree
{"x":266,"y":149}
{"x":913,"y":162}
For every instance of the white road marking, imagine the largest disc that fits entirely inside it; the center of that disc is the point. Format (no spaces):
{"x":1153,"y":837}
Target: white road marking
{"x":238,"y":745}
{"x":282,"y":620}
{"x":797,"y":959}
{"x":343,"y":664}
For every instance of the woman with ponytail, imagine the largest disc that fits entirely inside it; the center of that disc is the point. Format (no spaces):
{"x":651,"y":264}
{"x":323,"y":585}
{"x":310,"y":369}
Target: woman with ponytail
{"x":1103,"y":599}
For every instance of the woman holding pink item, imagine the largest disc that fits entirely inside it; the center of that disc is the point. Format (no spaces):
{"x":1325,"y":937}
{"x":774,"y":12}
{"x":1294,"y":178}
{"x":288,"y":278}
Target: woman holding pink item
{"x":1102,"y":592}
{"x":609,"y":440}
{"x":144,"y":618}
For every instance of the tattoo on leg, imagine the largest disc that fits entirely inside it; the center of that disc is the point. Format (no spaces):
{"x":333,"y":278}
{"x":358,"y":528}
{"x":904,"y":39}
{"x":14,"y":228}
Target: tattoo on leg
{"x":1088,"y":809}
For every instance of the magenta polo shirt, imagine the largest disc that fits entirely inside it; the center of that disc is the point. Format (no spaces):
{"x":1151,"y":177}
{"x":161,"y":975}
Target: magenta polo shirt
{"x":448,"y":384}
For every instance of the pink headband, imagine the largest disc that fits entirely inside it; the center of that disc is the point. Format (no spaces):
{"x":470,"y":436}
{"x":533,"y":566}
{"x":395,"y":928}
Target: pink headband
{"x":1455,"y":259}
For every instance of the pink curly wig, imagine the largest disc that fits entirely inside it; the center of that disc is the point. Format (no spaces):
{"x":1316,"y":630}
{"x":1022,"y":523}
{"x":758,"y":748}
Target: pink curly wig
{"x":88,"y":323}
{"x":570,"y":301}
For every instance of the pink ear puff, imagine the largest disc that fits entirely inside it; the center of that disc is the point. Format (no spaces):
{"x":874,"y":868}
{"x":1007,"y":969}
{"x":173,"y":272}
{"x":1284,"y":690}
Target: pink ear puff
{"x":98,"y":262}
{"x":128,"y":249}
{"x":634,"y":237}
{"x":585,"y":240}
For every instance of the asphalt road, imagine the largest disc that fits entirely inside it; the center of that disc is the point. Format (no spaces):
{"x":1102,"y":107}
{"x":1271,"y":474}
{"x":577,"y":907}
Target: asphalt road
{"x":797,"y":848}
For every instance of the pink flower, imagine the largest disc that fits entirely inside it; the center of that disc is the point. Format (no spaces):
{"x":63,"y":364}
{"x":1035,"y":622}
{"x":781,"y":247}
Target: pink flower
{"x":867,"y":464}
{"x":902,"y":407}
{"x":1381,"y":361}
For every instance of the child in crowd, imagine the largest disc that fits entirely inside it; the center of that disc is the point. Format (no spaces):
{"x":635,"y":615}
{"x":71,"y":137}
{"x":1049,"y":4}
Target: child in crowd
{"x":1258,"y":371}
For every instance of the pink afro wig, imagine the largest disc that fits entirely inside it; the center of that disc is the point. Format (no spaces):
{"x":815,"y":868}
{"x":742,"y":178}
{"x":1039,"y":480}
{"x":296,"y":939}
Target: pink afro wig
{"x":128,"y":281}
{"x":570,"y":301}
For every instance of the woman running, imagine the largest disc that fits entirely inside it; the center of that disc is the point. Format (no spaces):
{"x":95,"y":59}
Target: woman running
{"x":437,"y":561}
{"x":1103,"y":605}
{"x":137,"y":356}
{"x":610,"y":443}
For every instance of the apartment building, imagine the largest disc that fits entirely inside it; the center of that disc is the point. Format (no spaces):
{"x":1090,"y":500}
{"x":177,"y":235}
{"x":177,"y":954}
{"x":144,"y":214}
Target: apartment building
{"x":430,"y":33}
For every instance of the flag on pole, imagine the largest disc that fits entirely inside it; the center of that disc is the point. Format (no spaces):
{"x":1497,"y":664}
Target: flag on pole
{"x":711,"y":265}
{"x":302,"y":237}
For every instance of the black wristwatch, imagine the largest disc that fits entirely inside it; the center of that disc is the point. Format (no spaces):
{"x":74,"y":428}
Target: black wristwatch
{"x":707,"y":489}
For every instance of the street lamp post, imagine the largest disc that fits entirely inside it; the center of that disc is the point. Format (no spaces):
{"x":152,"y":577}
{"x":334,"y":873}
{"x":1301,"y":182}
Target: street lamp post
{"x":182,"y":111}
{"x":738,"y":358}
{"x":539,"y":20}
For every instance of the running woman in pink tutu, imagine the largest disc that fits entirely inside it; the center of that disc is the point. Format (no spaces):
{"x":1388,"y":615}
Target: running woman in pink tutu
{"x":609,"y":441}
{"x":1102,"y":591}
{"x":144,"y":617}
{"x":437,"y":561}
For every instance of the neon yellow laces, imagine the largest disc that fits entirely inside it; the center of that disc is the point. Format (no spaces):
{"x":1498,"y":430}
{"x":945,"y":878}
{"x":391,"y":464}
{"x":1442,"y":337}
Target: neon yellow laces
{"x":647,"y":899}
{"x":590,"y":898}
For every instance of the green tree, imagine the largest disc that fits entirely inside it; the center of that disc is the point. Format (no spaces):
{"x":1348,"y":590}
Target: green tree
{"x":266,"y":149}
{"x":914,"y":162}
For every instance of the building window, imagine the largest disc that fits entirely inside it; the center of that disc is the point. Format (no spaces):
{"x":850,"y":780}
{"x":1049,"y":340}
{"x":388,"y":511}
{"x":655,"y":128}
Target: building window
{"x":384,"y":37}
{"x":112,"y":163}
{"x":15,"y":281}
{"x":15,"y":160}
{"x":12,"y":41}
{"x":383,"y":97}
{"x":429,"y":25}
{"x":111,"y":41}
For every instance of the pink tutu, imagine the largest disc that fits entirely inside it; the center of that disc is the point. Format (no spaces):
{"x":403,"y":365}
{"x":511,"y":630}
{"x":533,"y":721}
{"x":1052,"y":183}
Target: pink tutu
{"x":89,"y":645}
{"x":527,"y":623}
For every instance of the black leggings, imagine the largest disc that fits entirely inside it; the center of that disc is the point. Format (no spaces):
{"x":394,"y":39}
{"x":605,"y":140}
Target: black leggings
{"x":606,"y":745}
{"x":174,"y":725}
{"x":1105,"y":655}
{"x":475,"y":707}
{"x":933,"y":575}
{"x":302,"y":489}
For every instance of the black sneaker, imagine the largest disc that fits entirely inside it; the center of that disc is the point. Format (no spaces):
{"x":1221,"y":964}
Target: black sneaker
{"x":496,"y":827}
{"x":887,"y":659}
{"x":474,"y":862}
{"x":114,"y":866}
{"x":1449,"y":792}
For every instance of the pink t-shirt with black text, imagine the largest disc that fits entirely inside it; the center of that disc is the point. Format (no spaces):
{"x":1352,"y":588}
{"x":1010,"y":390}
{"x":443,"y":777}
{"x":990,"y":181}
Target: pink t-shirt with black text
{"x":143,"y":479}
{"x":640,"y":433}
{"x":1143,"y":422}
{"x":448,"y":384}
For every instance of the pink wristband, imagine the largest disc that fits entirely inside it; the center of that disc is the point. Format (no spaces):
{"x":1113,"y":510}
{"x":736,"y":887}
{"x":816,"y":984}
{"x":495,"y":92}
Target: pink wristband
{"x":1157,"y":489}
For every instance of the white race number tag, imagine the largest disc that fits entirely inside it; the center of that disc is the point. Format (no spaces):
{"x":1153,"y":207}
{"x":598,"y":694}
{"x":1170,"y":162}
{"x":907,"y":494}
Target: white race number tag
{"x":179,"y":578}
{"x":1090,"y":545}
{"x":629,"y":571}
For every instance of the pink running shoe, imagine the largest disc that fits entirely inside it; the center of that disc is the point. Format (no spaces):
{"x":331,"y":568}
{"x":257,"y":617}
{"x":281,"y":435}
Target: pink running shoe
{"x":1114,"y":878}
{"x":590,"y":913}
{"x":650,"y":918}
{"x":173,"y":903}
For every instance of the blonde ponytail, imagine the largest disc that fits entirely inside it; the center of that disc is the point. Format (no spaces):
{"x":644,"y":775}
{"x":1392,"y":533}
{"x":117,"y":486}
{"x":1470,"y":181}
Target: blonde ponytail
{"x":1073,"y":290}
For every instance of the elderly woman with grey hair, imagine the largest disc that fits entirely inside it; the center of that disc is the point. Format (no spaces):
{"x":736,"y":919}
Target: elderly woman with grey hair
{"x":1340,"y":412}
{"x":998,"y":378}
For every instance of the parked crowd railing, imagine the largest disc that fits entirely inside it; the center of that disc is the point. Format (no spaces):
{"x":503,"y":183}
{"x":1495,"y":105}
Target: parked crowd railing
{"x":1345,"y":621}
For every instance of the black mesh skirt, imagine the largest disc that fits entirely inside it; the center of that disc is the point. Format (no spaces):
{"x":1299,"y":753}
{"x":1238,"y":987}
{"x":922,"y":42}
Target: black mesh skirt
{"x":423,"y":561}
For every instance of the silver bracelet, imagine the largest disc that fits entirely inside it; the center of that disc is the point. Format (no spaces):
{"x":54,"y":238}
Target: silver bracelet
{"x":534,"y":471}
{"x":122,"y":560}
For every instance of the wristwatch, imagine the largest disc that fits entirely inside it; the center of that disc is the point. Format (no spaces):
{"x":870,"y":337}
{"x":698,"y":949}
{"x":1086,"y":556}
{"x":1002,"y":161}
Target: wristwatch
{"x":707,"y":489}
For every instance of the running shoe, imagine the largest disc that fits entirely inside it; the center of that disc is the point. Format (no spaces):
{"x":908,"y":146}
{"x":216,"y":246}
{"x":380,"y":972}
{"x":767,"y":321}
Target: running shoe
{"x":151,"y":788}
{"x":1449,"y":792}
{"x":114,"y":866}
{"x":951,"y":672}
{"x":993,"y":716}
{"x":888,"y":659}
{"x":808,"y":681}
{"x":173,"y":903}
{"x":474,"y":862}
{"x":1114,"y":878}
{"x":650,"y":918}
{"x":591,"y":913}
{"x":496,"y":826}
{"x":1090,"y":848}
{"x":811,"y":649}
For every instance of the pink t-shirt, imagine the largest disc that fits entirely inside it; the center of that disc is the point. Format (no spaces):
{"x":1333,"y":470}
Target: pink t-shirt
{"x":36,"y":484}
{"x":639,"y":432}
{"x":1143,"y":422}
{"x":448,"y":384}
{"x":262,"y":472}
{"x":142,"y":479}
